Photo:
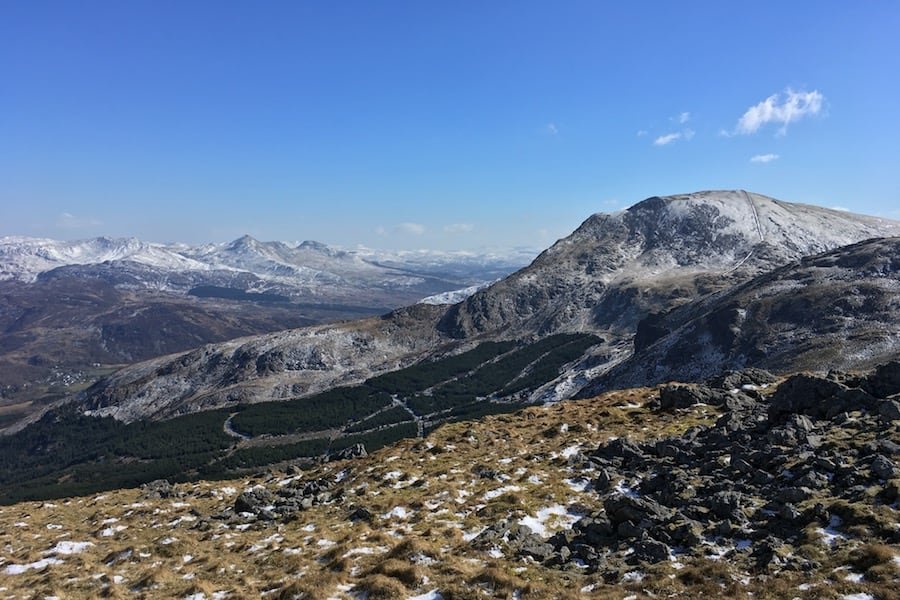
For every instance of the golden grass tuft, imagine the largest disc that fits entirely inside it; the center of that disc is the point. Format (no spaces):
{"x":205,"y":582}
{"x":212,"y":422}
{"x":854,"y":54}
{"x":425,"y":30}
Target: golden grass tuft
{"x":381,"y":587}
{"x":408,"y":574}
{"x":316,"y":586}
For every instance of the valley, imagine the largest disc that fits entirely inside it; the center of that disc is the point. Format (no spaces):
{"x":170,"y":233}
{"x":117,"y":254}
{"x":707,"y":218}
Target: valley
{"x":436,"y":451}
{"x":72,"y":311}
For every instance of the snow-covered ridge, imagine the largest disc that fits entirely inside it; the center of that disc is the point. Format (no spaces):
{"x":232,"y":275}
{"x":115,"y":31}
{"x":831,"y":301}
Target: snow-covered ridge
{"x":454,"y":296}
{"x":25,"y":258}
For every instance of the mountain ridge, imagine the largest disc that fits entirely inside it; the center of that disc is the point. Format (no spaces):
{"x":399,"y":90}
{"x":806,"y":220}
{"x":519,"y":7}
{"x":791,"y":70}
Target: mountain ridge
{"x":605,"y":278}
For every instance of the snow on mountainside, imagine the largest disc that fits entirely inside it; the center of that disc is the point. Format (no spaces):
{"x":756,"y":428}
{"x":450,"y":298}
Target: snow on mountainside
{"x":25,"y":258}
{"x":295,"y":268}
{"x":605,"y":278}
{"x":823,"y":312}
{"x":454,"y":296}
{"x":615,"y":268}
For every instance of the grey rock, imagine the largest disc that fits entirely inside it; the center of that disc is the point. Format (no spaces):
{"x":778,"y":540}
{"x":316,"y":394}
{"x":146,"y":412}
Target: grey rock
{"x":651,"y":551}
{"x":254,"y":501}
{"x":620,"y":508}
{"x":883,"y":468}
{"x":158,"y":489}
{"x":889,"y":410}
{"x":685,"y":396}
{"x":355,"y":451}
{"x":885,"y":381}
{"x":793,"y":494}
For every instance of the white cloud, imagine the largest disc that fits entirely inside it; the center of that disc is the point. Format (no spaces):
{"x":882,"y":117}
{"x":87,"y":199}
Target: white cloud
{"x":67,"y":220}
{"x":781,"y":109}
{"x":551,"y":129}
{"x":764,"y":158}
{"x":458,"y":228}
{"x":666,"y":139}
{"x":410,"y":228}
{"x":642,"y":132}
{"x":684,"y":117}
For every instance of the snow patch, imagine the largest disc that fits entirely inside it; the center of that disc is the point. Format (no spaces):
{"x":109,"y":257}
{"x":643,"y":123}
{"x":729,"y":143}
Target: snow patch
{"x":37,"y":565}
{"x":556,"y":517}
{"x":500,"y":491}
{"x":67,"y":547}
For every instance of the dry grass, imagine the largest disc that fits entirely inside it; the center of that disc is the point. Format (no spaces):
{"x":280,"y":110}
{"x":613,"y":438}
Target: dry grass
{"x":162,"y":553}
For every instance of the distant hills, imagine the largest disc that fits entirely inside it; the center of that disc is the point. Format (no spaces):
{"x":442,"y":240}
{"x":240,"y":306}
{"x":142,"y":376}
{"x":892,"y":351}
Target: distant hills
{"x":72,"y":311}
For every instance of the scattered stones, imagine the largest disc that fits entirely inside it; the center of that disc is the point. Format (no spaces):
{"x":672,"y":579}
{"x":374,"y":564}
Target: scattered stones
{"x":744,"y":487}
{"x":158,"y":490}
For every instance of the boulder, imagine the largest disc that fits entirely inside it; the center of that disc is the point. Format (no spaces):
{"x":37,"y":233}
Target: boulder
{"x":807,"y":395}
{"x":651,"y":551}
{"x":883,"y":468}
{"x":254,"y":500}
{"x":355,"y":451}
{"x":684,"y":396}
{"x":158,"y":489}
{"x":885,"y":381}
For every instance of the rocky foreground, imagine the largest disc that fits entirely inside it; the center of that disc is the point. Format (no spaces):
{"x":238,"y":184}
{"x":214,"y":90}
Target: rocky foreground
{"x":745,"y":486}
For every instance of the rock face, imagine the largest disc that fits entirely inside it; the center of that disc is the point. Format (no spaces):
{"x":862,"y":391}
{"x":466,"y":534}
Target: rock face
{"x":605,"y":278}
{"x":272,"y":367}
{"x":839,"y":309}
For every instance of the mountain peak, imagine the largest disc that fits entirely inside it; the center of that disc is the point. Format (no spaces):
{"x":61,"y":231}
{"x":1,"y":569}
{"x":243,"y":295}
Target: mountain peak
{"x":313,"y":245}
{"x":661,"y":252}
{"x":245,"y":241}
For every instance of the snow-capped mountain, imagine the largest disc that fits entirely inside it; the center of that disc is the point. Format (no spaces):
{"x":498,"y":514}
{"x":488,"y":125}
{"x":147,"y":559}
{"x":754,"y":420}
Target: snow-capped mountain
{"x":24,"y":258}
{"x":308,"y":271}
{"x":604,"y":279}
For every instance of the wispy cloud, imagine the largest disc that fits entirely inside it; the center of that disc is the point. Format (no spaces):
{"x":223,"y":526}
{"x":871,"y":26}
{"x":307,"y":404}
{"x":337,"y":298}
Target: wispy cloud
{"x":683,"y":117}
{"x":551,"y":129}
{"x":67,"y":220}
{"x":782,"y":109}
{"x":667,"y":139}
{"x":458,"y":228}
{"x":764,"y":158}
{"x":410,"y":228}
{"x":642,"y":132}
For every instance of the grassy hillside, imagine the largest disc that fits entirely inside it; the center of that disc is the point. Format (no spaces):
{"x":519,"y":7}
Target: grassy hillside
{"x":67,"y":453}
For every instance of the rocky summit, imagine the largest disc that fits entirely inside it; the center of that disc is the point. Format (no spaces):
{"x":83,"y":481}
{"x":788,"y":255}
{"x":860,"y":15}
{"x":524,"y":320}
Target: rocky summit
{"x":747,"y":485}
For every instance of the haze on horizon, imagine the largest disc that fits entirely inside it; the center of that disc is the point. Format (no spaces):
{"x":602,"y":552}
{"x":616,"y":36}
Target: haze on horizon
{"x":409,"y":125}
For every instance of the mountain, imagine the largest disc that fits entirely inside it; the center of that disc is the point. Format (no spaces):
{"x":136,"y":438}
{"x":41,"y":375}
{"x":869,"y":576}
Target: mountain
{"x":73,"y":311}
{"x":822,"y":312}
{"x":604,"y":279}
{"x":308,"y":271}
{"x":615,"y":268}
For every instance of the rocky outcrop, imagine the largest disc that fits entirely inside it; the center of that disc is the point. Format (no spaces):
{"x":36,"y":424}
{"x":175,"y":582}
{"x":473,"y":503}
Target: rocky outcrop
{"x":774,"y":470}
{"x":836,"y":310}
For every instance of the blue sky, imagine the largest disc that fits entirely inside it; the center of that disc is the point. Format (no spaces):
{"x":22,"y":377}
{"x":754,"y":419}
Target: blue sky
{"x":448,"y":125}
